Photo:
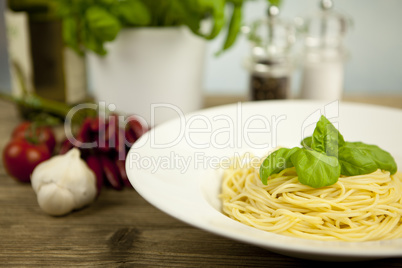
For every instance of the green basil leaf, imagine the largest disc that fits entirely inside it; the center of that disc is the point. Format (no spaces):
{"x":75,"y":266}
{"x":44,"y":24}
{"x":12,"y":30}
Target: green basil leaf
{"x":276,"y":162}
{"x":275,"y":2}
{"x":383,"y":159}
{"x":315,"y":169}
{"x":357,"y":158}
{"x":99,"y":21}
{"x":94,"y":44}
{"x":132,"y":13}
{"x":234,"y":27}
{"x":105,"y":2}
{"x":236,"y":2}
{"x":216,"y":8}
{"x":326,"y":138}
{"x":102,"y":24}
{"x":181,"y":11}
{"x":306,"y":142}
{"x":70,"y":30}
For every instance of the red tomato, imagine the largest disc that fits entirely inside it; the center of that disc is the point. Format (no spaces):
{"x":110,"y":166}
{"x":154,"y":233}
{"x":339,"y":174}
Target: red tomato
{"x":21,"y":157}
{"x":43,"y":134}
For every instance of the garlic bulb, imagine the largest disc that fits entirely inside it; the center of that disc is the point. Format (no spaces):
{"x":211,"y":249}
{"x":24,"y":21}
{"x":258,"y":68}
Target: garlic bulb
{"x":63,"y":183}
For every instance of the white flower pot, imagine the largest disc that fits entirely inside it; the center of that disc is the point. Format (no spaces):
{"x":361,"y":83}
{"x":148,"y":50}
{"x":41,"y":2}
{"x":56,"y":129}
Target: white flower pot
{"x":155,"y":73}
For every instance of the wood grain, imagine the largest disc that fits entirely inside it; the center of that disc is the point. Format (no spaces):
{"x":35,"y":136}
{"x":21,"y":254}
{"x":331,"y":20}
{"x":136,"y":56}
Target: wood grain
{"x":120,"y":229}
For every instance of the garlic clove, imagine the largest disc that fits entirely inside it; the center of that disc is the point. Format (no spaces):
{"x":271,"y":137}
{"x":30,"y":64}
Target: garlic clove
{"x":64,"y":183}
{"x":55,"y":200}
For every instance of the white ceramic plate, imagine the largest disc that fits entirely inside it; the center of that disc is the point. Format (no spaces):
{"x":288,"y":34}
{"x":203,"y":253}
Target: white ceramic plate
{"x":175,"y":166}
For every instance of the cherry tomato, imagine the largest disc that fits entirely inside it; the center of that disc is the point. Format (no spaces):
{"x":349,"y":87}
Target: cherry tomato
{"x":20,"y":157}
{"x":42,"y":133}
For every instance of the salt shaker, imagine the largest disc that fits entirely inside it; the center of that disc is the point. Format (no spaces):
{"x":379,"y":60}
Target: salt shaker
{"x":324,"y":54}
{"x":269,"y":64}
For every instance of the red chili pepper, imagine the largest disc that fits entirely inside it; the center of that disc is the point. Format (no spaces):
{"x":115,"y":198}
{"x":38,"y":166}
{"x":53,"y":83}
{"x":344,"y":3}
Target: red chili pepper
{"x":94,"y":164}
{"x":84,"y":134}
{"x":111,"y":172}
{"x":66,"y":146}
{"x":121,"y":165}
{"x":138,"y":127}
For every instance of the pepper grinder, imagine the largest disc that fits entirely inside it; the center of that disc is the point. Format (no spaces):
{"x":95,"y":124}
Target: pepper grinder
{"x":269,"y":64}
{"x":324,"y":54}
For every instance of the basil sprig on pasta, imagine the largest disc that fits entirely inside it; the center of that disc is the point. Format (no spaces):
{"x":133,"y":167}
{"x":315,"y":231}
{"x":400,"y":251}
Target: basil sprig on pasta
{"x":325,"y":156}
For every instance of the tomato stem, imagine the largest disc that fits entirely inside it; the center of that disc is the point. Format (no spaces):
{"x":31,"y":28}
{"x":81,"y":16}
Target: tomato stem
{"x":30,"y":133}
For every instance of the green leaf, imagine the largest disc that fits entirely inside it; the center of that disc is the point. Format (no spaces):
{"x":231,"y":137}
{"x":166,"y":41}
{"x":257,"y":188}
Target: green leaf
{"x":326,"y":138}
{"x":216,"y":8}
{"x":102,"y":24}
{"x":180,"y":11}
{"x":383,"y":159}
{"x":315,"y":169}
{"x":276,"y":162}
{"x":132,"y":13}
{"x":306,"y":142}
{"x":70,"y":31}
{"x":325,"y":155}
{"x":99,"y":21}
{"x":357,"y":158}
{"x":94,"y":44}
{"x":275,"y":2}
{"x":236,"y":2}
{"x":219,"y":22}
{"x":234,"y":27}
{"x":105,"y":2}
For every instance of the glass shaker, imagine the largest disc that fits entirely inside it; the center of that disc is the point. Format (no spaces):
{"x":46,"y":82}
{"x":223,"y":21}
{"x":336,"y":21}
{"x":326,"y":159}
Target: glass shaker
{"x":269,"y":63}
{"x":324,"y":54}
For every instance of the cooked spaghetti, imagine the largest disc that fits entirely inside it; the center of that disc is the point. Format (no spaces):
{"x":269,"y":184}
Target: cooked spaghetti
{"x":358,"y":208}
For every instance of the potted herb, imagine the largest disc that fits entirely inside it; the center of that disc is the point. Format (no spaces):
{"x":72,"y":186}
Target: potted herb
{"x":148,"y":51}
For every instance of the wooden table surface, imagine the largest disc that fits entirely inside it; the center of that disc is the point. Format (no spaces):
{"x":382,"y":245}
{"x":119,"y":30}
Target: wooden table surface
{"x":119,"y":230}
